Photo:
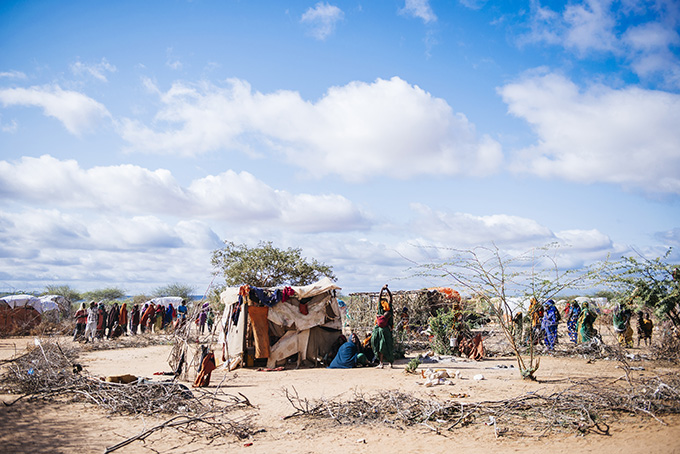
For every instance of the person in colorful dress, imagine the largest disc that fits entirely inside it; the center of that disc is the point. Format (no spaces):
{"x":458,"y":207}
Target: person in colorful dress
{"x":572,"y":321}
{"x":382,"y":341}
{"x":551,"y":318}
{"x":586,"y":332}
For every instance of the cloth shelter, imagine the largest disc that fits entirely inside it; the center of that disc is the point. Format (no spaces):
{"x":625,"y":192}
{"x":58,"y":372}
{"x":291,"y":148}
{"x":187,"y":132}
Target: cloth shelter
{"x":277,"y":323}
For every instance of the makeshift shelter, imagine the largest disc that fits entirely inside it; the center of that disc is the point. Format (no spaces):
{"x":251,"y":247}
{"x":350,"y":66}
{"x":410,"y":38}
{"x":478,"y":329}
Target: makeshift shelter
{"x":276,"y":324}
{"x":165,"y":301}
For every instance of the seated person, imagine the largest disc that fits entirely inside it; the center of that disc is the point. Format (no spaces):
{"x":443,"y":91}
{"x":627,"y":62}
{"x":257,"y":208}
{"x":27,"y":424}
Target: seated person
{"x":348,"y":355}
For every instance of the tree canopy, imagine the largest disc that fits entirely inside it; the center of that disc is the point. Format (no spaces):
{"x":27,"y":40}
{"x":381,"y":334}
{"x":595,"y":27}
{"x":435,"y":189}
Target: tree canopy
{"x":651,"y":283}
{"x":175,"y":289}
{"x":105,"y":294}
{"x":266,"y":265}
{"x":64,"y":290}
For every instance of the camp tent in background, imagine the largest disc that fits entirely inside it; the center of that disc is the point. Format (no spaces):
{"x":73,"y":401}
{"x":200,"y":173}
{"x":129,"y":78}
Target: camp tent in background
{"x":39,"y":303}
{"x":275,"y":324}
{"x":165,"y":301}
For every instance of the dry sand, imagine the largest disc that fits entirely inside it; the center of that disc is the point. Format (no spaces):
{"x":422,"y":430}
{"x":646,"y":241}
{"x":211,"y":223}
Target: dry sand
{"x":30,"y":427}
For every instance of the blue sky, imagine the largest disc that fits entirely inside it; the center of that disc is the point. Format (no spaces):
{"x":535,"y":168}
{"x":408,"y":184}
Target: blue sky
{"x":136,"y":136}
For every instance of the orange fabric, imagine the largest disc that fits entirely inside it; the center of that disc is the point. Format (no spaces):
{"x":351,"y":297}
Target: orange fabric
{"x":257,"y":318}
{"x":472,"y":348}
{"x":122,"y":318}
{"x":207,"y":366}
{"x":147,"y":313}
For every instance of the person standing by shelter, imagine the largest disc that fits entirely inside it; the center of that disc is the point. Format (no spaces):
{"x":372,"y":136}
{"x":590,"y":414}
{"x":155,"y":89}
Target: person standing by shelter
{"x":572,"y":321}
{"x":382,"y":341}
{"x":81,"y":321}
{"x":92,"y":320}
{"x":551,"y":318}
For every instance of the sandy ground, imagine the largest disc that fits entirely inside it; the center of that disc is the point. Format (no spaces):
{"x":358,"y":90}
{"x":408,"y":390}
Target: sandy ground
{"x":31,"y":427}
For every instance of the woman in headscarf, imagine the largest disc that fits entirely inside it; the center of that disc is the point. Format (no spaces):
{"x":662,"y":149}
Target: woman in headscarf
{"x":348,"y":355}
{"x":81,"y":321}
{"x":621,"y":320}
{"x":169,"y":315}
{"x":534,"y":330}
{"x":147,"y":314}
{"x":572,"y":321}
{"x":549,"y":323}
{"x":586,"y":332}
{"x":158,"y":321}
{"x":123,"y":317}
{"x":112,"y":319}
{"x":382,"y":341}
{"x":134,"y":319}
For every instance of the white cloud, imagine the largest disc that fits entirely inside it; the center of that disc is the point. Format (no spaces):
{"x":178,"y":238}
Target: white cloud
{"x":590,"y":26}
{"x":40,"y":247}
{"x":227,"y":197}
{"x":464,"y":230}
{"x":420,"y":9}
{"x":13,"y":74}
{"x":323,"y":19}
{"x":357,"y":131}
{"x":643,"y":35}
{"x":77,"y":112}
{"x":96,"y":70}
{"x":627,"y":136}
{"x":171,"y":61}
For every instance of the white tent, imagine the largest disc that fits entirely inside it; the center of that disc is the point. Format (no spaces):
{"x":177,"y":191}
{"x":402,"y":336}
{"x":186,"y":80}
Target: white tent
{"x":309,"y":335}
{"x":165,"y":301}
{"x":23,"y":300}
{"x":41,"y":304}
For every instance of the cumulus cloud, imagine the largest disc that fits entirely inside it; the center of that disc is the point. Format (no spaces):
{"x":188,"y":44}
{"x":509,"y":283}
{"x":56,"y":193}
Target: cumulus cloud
{"x":464,"y":230}
{"x":623,"y":136}
{"x":356,"y":131}
{"x":96,"y":70}
{"x":77,"y":112}
{"x":420,"y":9}
{"x":40,"y":247}
{"x":644,"y":35}
{"x":322,"y":19}
{"x":136,"y":190}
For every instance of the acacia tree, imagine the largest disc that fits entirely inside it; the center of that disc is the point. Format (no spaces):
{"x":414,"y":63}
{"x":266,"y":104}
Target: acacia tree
{"x":63,"y":290}
{"x":175,"y":289}
{"x":651,"y":283}
{"x":496,"y":278}
{"x":105,"y":294}
{"x":266,"y":265}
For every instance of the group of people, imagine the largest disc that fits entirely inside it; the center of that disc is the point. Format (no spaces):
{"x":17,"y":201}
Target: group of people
{"x":378,"y":346}
{"x":580,"y":317}
{"x":96,"y":322}
{"x":544,"y":320}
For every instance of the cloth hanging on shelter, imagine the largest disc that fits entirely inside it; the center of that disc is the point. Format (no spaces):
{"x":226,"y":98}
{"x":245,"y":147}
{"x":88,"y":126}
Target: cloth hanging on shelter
{"x":287,"y":293}
{"x":257,"y":317}
{"x":268,"y":299}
